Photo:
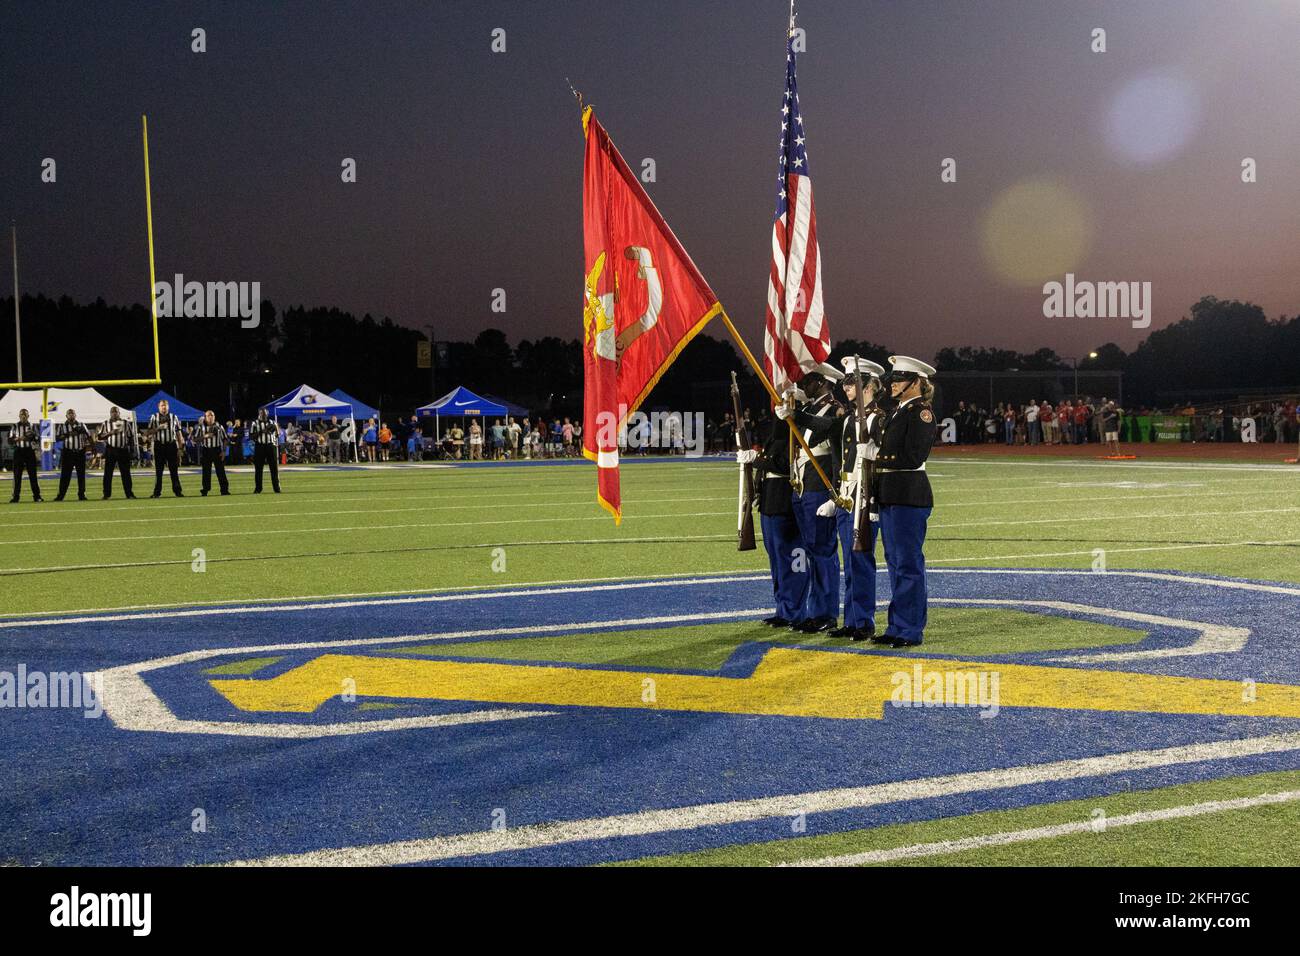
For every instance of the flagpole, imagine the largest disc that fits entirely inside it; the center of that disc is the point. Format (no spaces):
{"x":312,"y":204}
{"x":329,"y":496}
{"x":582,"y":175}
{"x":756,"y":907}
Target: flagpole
{"x":762,"y":377}
{"x":18,"y":328}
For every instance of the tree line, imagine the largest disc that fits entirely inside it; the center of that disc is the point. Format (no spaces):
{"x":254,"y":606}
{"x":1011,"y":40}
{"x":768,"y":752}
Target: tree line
{"x":215,"y":363}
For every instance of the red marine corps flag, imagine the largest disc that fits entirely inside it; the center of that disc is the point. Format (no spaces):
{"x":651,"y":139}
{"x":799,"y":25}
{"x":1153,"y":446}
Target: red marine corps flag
{"x":644,"y":300}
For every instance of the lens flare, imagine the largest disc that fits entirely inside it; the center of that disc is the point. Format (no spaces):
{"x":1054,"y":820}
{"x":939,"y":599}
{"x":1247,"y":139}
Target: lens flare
{"x":1035,"y":230}
{"x":1152,"y":118}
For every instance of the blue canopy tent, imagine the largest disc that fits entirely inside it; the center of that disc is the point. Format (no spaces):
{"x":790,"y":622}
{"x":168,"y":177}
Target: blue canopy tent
{"x":516,"y":411}
{"x":307,"y":402}
{"x":359,"y":409}
{"x":186,"y":413}
{"x":459,"y":402}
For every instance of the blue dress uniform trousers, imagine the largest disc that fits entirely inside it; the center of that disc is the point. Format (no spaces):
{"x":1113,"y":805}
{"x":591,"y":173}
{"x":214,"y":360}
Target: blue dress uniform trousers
{"x":902,"y":528}
{"x":817,"y":538}
{"x":789,"y":584}
{"x":859,"y":575}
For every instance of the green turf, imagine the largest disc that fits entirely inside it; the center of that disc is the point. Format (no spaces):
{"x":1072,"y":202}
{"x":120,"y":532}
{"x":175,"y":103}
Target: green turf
{"x":1256,"y":836}
{"x":249,"y":665}
{"x":707,"y":646}
{"x":410,"y":529}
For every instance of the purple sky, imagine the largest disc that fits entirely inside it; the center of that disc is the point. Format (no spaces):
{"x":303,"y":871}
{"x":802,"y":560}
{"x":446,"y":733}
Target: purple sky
{"x":469,"y":162}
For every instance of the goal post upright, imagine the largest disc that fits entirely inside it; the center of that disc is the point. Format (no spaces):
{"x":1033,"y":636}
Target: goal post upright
{"x":153,"y":304}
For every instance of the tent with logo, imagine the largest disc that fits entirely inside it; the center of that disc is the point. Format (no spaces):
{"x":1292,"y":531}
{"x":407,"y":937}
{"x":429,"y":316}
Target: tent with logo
{"x":307,"y":402}
{"x":458,"y":403}
{"x":186,"y":413}
{"x":92,"y":407}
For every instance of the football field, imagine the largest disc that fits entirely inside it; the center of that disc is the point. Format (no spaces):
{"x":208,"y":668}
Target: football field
{"x":431,"y":663}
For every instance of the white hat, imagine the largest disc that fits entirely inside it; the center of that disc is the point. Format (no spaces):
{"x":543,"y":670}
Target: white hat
{"x":903,"y":363}
{"x":855,"y":363}
{"x":828,"y":372}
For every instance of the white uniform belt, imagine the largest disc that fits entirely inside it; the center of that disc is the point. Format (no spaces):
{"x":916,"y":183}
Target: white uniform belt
{"x":888,"y":470}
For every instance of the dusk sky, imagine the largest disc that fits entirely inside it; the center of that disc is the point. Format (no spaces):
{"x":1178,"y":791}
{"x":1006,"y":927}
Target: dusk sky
{"x":469,"y":162}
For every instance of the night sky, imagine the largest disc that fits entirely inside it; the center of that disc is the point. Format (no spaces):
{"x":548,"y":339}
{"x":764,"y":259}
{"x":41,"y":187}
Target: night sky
{"x":470,"y":162}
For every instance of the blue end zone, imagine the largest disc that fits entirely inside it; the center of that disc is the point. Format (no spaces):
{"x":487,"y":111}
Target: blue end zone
{"x":90,"y":792}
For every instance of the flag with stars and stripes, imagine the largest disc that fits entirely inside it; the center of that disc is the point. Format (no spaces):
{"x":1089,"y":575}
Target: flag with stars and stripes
{"x":796,"y":336}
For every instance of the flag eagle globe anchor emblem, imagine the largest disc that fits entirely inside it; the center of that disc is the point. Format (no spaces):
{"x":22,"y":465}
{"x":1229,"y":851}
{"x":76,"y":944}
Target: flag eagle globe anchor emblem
{"x":598,"y":316}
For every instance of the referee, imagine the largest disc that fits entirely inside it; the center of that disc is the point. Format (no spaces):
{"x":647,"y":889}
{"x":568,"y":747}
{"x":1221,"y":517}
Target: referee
{"x":118,"y":436}
{"x":266,"y":451}
{"x":212,"y":439}
{"x":75,"y":438}
{"x":25,"y":437}
{"x":165,"y":429}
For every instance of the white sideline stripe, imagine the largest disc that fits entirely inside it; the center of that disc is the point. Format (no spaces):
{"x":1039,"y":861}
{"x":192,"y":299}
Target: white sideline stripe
{"x":307,"y":513}
{"x":1080,"y":519}
{"x":412,"y":599}
{"x":945,"y":460}
{"x":1211,"y":639}
{"x":309,"y":556}
{"x":944,"y":847}
{"x":1069,"y":554}
{"x":360,"y":527}
{"x":131,"y":704}
{"x":471,"y":592}
{"x":651,"y":822}
{"x":372,"y":594}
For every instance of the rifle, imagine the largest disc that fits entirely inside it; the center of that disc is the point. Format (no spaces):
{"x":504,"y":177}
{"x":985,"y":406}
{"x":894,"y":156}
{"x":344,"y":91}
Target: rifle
{"x":745,"y":518}
{"x":865,"y":470}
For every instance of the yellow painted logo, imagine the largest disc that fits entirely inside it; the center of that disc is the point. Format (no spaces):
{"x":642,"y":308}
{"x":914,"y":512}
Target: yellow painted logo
{"x":787,"y":682}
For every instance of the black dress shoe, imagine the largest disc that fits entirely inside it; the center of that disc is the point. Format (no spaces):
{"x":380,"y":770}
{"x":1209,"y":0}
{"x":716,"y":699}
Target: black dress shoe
{"x":130,"y":496}
{"x":13,"y":501}
{"x":38,"y":498}
{"x":155,"y":495}
{"x":178,"y":494}
{"x":862,"y":634}
{"x":882,"y":638}
{"x":816,"y":625}
{"x":844,"y":631}
{"x":897,"y":642}
{"x":776,"y":620}
{"x":203,"y":493}
{"x":81,"y":497}
{"x":58,"y":497}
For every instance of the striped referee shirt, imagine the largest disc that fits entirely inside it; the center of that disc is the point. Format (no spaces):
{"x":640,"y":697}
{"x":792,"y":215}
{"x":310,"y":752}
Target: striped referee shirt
{"x":73,"y":435}
{"x":166,"y":428}
{"x":25,"y":435}
{"x":117,"y":434}
{"x":265,"y":432}
{"x":211,"y":436}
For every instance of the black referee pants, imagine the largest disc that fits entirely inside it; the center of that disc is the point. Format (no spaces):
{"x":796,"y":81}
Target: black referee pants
{"x":25,"y":460}
{"x":266,"y":455}
{"x":164,"y":453}
{"x":69,"y":462}
{"x":119,"y":458}
{"x":210,"y":458}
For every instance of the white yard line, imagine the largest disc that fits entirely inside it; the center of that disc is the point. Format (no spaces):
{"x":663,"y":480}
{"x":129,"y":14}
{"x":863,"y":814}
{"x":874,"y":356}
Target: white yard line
{"x":331,"y":605}
{"x":973,"y":558}
{"x":945,"y":847}
{"x":676,"y":819}
{"x":373,"y":526}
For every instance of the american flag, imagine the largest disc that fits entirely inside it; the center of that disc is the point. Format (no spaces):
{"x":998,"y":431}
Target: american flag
{"x":796,"y":337}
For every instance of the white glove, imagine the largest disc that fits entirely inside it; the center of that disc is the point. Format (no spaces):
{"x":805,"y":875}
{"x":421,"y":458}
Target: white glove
{"x":797,"y":394}
{"x":875,"y":518}
{"x":784,"y":411}
{"x":746,"y":457}
{"x":867,"y":451}
{"x":826,"y":509}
